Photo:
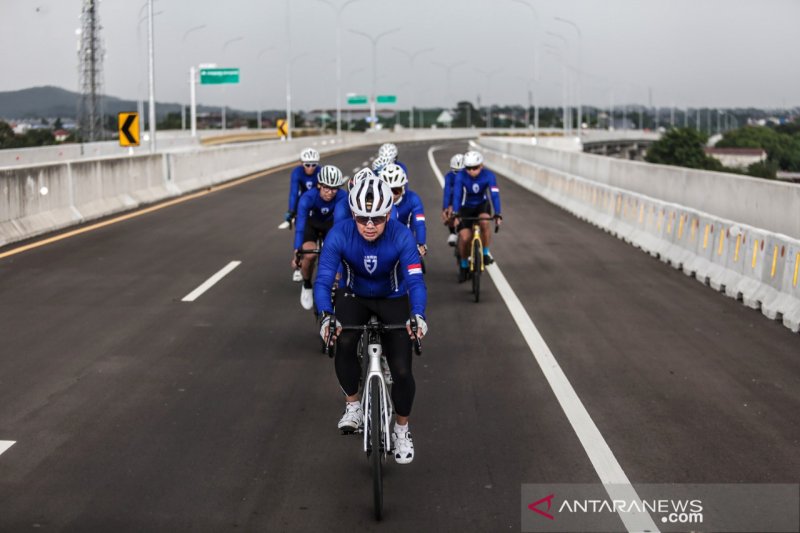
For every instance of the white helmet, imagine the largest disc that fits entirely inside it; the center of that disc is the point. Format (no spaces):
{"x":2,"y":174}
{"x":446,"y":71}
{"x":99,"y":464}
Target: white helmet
{"x":371,"y":197}
{"x":380,"y":162}
{"x":457,"y":162}
{"x":359,"y":176}
{"x":330,"y":176}
{"x":393,"y":175}
{"x":388,"y":150}
{"x":309,"y":155}
{"x":473,"y":159}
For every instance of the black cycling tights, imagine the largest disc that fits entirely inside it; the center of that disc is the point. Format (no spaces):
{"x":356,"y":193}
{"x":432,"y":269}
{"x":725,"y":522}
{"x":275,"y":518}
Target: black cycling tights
{"x":354,"y":311}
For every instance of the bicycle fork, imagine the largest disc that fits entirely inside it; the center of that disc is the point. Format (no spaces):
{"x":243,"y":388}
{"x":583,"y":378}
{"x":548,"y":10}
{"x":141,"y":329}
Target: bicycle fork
{"x":374,"y":352}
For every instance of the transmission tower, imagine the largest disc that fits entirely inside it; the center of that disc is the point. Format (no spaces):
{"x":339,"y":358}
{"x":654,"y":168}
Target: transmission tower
{"x":90,"y":73}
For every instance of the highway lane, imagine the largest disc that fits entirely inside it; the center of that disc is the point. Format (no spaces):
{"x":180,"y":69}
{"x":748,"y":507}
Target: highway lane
{"x":133,"y":410}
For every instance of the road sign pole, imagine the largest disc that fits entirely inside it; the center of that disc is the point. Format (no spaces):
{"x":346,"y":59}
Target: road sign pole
{"x":193,"y":98}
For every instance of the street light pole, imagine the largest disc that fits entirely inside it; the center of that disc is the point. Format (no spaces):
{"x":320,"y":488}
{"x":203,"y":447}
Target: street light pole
{"x":152,"y":78}
{"x":488,"y":88}
{"x":224,"y":46}
{"x":580,"y":67}
{"x":448,"y":69}
{"x":535,"y":66}
{"x":411,"y":57}
{"x":374,"y":40}
{"x":183,"y":40}
{"x":261,"y":53}
{"x":338,"y":60}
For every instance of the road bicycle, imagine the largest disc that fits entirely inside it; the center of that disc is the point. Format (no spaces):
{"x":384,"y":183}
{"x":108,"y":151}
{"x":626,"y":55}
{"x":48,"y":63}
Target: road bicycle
{"x":476,"y":263}
{"x":376,"y":401}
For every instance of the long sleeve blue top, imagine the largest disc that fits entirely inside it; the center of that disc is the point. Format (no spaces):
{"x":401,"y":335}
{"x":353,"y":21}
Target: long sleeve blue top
{"x":411,"y":213}
{"x":473,"y":192}
{"x":388,"y":267}
{"x":447,"y":197}
{"x":312,"y":206}
{"x":301,"y":182}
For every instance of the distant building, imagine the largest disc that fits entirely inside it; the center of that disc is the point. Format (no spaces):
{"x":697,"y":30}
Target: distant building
{"x":60,"y":135}
{"x":737,"y":157}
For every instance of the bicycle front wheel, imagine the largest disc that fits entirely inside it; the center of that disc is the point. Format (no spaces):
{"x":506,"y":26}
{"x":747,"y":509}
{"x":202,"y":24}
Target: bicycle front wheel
{"x":376,"y":443}
{"x":477,"y":262}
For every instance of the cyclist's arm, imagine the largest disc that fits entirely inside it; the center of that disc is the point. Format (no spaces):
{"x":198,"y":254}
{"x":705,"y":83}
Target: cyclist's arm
{"x":293,"y":188}
{"x":303,"y":207}
{"x":329,"y":261}
{"x":447,"y":198}
{"x":494,"y":190}
{"x":418,"y":218}
{"x":458,"y":193}
{"x":412,"y":273}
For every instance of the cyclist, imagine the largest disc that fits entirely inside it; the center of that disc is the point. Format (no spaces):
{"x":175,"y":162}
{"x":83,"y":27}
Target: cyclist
{"x":408,"y":207}
{"x":456,"y":164}
{"x":379,"y":162}
{"x":474,"y":195}
{"x":304,"y":177}
{"x":389,"y":151}
{"x":315,"y":217}
{"x":383,"y":277}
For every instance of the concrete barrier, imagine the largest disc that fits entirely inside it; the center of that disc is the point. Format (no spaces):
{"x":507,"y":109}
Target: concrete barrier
{"x":42,"y":198}
{"x":756,"y":265}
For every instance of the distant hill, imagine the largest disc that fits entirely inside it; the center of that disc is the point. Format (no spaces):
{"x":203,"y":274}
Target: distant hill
{"x":52,"y":102}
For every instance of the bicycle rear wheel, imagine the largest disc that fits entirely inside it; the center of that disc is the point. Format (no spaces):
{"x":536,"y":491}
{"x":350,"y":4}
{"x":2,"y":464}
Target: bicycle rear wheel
{"x":376,"y":444}
{"x":477,"y":263}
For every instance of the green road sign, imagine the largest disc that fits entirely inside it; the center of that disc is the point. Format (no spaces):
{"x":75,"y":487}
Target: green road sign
{"x":216,"y":76}
{"x":356,"y":99}
{"x":387,"y":99}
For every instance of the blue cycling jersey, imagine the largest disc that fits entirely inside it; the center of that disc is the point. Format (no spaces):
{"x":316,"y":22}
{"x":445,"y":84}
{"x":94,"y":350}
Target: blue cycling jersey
{"x":411,"y":213}
{"x":473,"y":192}
{"x":388,"y":267}
{"x":312,"y":206}
{"x":447,"y":198}
{"x":301,"y":182}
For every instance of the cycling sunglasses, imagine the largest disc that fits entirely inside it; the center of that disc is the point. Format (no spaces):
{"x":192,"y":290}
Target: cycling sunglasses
{"x":397,"y":190}
{"x":473,"y":168}
{"x":376,"y":220}
{"x":326,"y":188}
{"x":310,"y":165}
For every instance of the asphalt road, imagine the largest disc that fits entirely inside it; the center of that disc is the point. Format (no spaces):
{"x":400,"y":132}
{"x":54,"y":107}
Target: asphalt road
{"x":135,"y":411}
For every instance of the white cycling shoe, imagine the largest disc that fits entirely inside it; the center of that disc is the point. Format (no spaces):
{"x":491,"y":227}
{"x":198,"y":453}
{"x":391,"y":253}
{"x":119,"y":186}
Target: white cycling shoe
{"x":353,"y":418}
{"x":297,"y":276}
{"x":307,"y":298}
{"x":452,"y":239}
{"x":403,"y":447}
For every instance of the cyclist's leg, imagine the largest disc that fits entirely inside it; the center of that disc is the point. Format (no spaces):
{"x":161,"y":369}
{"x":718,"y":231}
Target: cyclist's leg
{"x":397,"y":347}
{"x":350,"y":311}
{"x":486,"y":217}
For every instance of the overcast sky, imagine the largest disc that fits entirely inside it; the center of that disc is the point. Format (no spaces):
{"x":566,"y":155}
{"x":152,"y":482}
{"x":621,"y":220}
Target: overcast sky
{"x":719,"y":53}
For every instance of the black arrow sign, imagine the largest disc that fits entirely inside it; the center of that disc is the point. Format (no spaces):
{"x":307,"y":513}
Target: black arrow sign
{"x":125,"y":129}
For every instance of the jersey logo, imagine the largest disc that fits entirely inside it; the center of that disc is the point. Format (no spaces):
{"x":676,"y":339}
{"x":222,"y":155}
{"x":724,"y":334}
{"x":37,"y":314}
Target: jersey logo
{"x":324,"y":210}
{"x":309,"y":184}
{"x":476,"y":188}
{"x":370,"y":263}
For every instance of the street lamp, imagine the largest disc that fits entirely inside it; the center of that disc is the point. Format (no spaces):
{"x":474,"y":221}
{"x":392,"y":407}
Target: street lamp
{"x":224,"y":47}
{"x":535,"y":66}
{"x":580,"y":66}
{"x":567,"y":80}
{"x":374,"y":39}
{"x":338,"y":59}
{"x":143,"y":18}
{"x":411,"y":57}
{"x":258,"y":58}
{"x":488,"y":88}
{"x":191,"y":74}
{"x":448,"y":69}
{"x":556,"y":52}
{"x":289,"y":65}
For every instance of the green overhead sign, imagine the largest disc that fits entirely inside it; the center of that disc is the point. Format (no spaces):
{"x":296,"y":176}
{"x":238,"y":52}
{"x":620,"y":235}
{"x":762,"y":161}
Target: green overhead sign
{"x":387,"y":99}
{"x":356,"y":99}
{"x":216,"y":76}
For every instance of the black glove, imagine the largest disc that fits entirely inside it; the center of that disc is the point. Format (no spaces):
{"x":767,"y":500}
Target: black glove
{"x":288,"y":216}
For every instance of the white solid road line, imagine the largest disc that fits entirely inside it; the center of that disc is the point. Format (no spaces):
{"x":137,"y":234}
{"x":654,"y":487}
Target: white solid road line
{"x":605,"y":464}
{"x":5,"y":445}
{"x":210,"y":282}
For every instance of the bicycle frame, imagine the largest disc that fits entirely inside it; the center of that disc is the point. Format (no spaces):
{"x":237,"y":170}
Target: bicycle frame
{"x":476,"y":237}
{"x":374,"y":351}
